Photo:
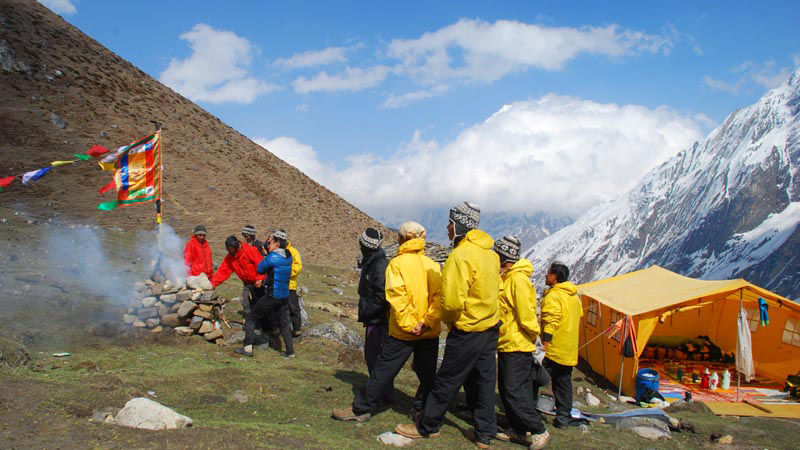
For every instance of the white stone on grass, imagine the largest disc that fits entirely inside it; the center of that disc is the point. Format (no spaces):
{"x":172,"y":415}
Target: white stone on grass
{"x":146,"y":414}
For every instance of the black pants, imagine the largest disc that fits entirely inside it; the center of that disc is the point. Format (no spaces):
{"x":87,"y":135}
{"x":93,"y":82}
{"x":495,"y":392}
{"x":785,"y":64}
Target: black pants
{"x":561,"y":377}
{"x":539,"y":378}
{"x":262,"y":309}
{"x":375,"y":338}
{"x":514,"y":379}
{"x":294,"y":311}
{"x":394,"y":355}
{"x":467,"y":356}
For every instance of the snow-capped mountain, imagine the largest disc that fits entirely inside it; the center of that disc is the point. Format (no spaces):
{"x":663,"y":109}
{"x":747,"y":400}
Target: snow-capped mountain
{"x":529,"y":228}
{"x":728,"y":207}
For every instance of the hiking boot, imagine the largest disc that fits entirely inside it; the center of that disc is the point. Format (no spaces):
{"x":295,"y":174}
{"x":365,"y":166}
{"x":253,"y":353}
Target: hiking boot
{"x":287,"y":356}
{"x":297,"y":333}
{"x":409,"y":430}
{"x":242,"y":351}
{"x":472,"y":436}
{"x":414,"y":414}
{"x":347,"y":415}
{"x":512,"y":436}
{"x":539,"y":441}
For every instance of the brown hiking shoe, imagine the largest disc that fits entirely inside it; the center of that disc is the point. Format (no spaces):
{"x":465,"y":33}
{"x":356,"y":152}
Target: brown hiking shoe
{"x":347,"y":415}
{"x":512,"y":436}
{"x":472,"y":436}
{"x":409,"y":430}
{"x":539,"y":441}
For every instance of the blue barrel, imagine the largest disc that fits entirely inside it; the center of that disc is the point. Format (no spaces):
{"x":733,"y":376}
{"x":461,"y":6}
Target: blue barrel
{"x":646,"y":378}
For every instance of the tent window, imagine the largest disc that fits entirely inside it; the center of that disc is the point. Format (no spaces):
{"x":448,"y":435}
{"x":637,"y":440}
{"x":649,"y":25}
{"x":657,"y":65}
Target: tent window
{"x":615,"y":317}
{"x":791,"y":333}
{"x":591,"y":313}
{"x":753,"y":316}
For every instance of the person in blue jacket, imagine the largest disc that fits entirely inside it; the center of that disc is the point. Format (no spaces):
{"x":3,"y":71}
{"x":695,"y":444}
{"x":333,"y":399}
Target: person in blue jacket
{"x":277,"y":265}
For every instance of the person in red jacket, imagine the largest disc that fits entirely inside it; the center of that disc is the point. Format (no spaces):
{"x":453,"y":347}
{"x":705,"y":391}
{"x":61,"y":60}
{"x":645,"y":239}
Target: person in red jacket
{"x":242,"y":259}
{"x":197,"y":254}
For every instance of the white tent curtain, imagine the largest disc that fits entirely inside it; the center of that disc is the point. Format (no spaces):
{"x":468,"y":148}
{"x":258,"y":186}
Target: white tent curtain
{"x":744,"y":350}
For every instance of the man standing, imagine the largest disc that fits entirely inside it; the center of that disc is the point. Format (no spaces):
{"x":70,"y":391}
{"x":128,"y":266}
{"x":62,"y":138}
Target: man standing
{"x":249,"y":234}
{"x":515,"y":347}
{"x":413,"y":289}
{"x":373,"y":309}
{"x":294,"y":303}
{"x":561,"y":316}
{"x":241,"y":259}
{"x":277,"y":266}
{"x":471,"y":283}
{"x":249,"y":292}
{"x":197,"y":253}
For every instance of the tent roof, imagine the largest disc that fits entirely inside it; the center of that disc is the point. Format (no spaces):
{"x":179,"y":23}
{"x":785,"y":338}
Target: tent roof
{"x":656,"y":288}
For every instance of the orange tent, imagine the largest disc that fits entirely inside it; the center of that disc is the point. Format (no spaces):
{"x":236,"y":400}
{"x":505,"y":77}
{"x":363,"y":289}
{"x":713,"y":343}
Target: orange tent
{"x":663,"y":303}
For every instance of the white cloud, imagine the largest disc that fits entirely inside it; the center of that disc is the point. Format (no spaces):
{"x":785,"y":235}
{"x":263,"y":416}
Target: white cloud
{"x":312,"y":58}
{"x":475,"y":50}
{"x":351,"y":79}
{"x":749,"y":74}
{"x":217,"y":71}
{"x":555,"y":153}
{"x":60,"y":6}
{"x":402,"y":100}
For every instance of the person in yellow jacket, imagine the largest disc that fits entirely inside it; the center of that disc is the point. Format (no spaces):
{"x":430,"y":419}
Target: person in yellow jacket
{"x":413,"y":291}
{"x":516,"y":345}
{"x":471,"y":283}
{"x":294,"y":303}
{"x":561,"y":317}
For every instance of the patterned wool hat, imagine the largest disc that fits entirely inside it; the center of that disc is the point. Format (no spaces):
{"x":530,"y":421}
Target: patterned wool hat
{"x":281,"y":234}
{"x":249,"y":230}
{"x":200,"y":229}
{"x":371,"y":238}
{"x":508,"y":248}
{"x":466,"y":214}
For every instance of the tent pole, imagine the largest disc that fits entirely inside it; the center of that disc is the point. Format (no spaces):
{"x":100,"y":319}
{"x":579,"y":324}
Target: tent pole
{"x":621,"y":371}
{"x":738,"y":324}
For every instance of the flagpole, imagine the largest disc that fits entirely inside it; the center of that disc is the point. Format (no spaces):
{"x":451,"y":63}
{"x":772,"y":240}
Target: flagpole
{"x":159,"y":200}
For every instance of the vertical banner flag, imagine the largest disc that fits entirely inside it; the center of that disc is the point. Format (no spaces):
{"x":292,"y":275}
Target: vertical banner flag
{"x":137,"y":172}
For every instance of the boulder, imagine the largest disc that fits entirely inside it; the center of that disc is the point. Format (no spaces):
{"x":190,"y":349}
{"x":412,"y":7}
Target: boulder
{"x":592,"y":400}
{"x":146,"y":313}
{"x":156,"y":289}
{"x":147,"y":302}
{"x":146,"y":414}
{"x":157,"y":329}
{"x":184,"y":331}
{"x":174,"y":308}
{"x":138,"y":323}
{"x":196,"y":296}
{"x":646,"y":427}
{"x":168,"y":298}
{"x":170,"y":320}
{"x":152,"y":322}
{"x":338,"y":332}
{"x":196,"y":323}
{"x":213,"y":335}
{"x":200,"y":313}
{"x":208,"y":296}
{"x":205,"y":327}
{"x":186,"y":308}
{"x":183,"y":295}
{"x":205,"y":307}
{"x":237,"y":337}
{"x":128,"y":318}
{"x":337,"y":291}
{"x":199,"y":282}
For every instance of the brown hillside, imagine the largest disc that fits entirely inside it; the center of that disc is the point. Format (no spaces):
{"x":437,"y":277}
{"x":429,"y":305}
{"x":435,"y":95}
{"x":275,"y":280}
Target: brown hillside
{"x":212,"y":174}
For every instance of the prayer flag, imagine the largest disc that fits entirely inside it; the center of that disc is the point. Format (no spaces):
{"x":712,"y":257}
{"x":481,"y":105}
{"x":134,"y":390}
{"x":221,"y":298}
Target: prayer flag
{"x":98,"y":150}
{"x":34,"y":175}
{"x":137,"y":172}
{"x":60,"y":163}
{"x":6,"y":182}
{"x":108,"y":187}
{"x":82,"y":157}
{"x":107,"y":206}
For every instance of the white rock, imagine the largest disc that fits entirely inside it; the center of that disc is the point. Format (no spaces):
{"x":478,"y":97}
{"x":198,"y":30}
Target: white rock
{"x":199,"y":282}
{"x":184,"y":331}
{"x":148,"y":302}
{"x":144,"y":413}
{"x":394,"y":439}
{"x":592,"y":400}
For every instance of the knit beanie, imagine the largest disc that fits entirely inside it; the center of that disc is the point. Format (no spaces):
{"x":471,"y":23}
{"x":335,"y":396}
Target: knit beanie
{"x":371,"y":239}
{"x":281,"y":234}
{"x":200,"y":229}
{"x":249,"y":230}
{"x":508,"y":248}
{"x":465,"y":216}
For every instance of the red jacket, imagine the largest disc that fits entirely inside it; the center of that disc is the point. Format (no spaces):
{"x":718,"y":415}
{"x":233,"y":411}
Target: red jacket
{"x":244,"y":264}
{"x":198,"y":258}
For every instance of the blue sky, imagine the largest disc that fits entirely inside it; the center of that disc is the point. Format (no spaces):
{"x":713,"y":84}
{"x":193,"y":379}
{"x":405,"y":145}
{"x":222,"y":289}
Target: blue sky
{"x":517,"y":105}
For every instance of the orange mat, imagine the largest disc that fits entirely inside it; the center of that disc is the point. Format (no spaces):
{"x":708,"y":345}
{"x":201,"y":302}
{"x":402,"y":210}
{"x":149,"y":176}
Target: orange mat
{"x":778,"y":410}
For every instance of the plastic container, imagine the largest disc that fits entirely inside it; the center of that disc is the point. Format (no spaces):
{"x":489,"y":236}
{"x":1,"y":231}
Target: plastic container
{"x":726,"y":379}
{"x":713,"y":383}
{"x":646,"y":378}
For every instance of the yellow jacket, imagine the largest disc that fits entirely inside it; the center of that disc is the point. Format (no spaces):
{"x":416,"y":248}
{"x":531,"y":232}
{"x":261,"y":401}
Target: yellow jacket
{"x":561,"y":317}
{"x":297,"y":266}
{"x":414,"y":291}
{"x":471,"y":280}
{"x":518,"y":309}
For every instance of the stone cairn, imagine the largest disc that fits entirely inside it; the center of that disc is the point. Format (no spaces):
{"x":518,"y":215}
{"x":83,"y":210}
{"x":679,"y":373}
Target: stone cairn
{"x":195,"y":308}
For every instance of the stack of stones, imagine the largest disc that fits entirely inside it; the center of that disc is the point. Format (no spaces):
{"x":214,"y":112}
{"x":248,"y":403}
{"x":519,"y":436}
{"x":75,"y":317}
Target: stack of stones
{"x":434,"y":251}
{"x":194,"y":309}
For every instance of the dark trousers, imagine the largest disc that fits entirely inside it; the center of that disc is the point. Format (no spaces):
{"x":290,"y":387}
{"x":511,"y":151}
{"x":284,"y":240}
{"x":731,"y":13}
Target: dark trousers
{"x":375,"y":338}
{"x":262,"y":309}
{"x":514,"y":379}
{"x":467,"y":356}
{"x":561,"y":378}
{"x":393,"y":357}
{"x":294,"y":311}
{"x":539,"y":378}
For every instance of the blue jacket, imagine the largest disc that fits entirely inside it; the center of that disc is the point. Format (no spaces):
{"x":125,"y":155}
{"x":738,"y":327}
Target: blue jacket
{"x":278,"y":267}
